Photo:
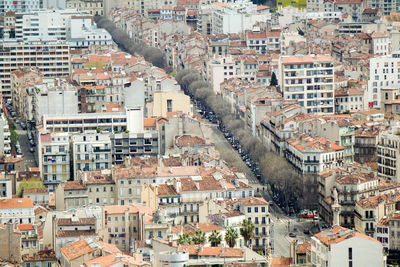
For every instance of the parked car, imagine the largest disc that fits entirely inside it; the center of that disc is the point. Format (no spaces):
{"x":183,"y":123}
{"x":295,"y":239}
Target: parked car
{"x":292,"y":234}
{"x":306,"y":231}
{"x":31,"y":149}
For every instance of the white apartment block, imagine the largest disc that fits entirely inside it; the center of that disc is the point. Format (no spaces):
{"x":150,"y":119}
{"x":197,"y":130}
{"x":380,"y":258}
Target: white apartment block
{"x":380,"y":43}
{"x":389,"y":154}
{"x":54,"y":158}
{"x":91,"y":151}
{"x":111,"y":122}
{"x":71,"y":25}
{"x":16,"y":210}
{"x":19,"y":5}
{"x":50,"y":58}
{"x":5,"y":136}
{"x":384,"y":72}
{"x":310,"y":80}
{"x":349,"y":99}
{"x":340,"y":246}
{"x":237,"y":17}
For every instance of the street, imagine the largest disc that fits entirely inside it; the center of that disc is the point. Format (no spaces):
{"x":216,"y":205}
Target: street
{"x":281,"y":224}
{"x":29,"y":157}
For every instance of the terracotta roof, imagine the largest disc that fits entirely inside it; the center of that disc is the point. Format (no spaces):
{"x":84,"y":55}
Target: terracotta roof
{"x":25,"y":227}
{"x":165,"y":190}
{"x":303,"y":247}
{"x":76,"y":233}
{"x":338,"y":233}
{"x":42,"y":255}
{"x":253,"y":201}
{"x":348,"y":2}
{"x":74,"y":185}
{"x":256,"y":35}
{"x":115,"y":259}
{"x":16,"y":203}
{"x":281,"y":262}
{"x":36,"y":191}
{"x":149,"y":122}
{"x":76,"y":250}
{"x":287,"y":60}
{"x":80,"y":221}
{"x":188,"y":140}
{"x":371,"y":202}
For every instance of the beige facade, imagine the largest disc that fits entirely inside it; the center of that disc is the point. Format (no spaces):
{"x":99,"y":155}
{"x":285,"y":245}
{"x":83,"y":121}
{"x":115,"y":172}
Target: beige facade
{"x":71,"y":194}
{"x":94,"y":7}
{"x":10,"y":249}
{"x":389,"y":154}
{"x":172,"y":101}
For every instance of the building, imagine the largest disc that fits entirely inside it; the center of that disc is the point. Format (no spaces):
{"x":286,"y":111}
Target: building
{"x":310,"y":80}
{"x":349,"y":99}
{"x":134,"y":145}
{"x":393,"y":235}
{"x":389,"y":154}
{"x":16,"y":210}
{"x":74,"y":26}
{"x":124,"y":224}
{"x":54,"y":159}
{"x":5,"y":136}
{"x":91,"y":151}
{"x":340,"y":246}
{"x":100,"y":187}
{"x":256,"y":210}
{"x":236,"y":17}
{"x":11,"y":239}
{"x":93,"y":7}
{"x":13,"y":56}
{"x":172,"y":101}
{"x":380,"y":43}
{"x":383,"y":73}
{"x":70,"y":194}
{"x":313,"y":155}
{"x":385,"y":7}
{"x":19,"y":6}
{"x":38,"y":195}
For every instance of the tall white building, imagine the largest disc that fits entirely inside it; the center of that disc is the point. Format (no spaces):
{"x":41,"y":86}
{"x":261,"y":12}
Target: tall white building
{"x":310,"y":80}
{"x":91,"y":151}
{"x":236,"y":17}
{"x":384,"y":72}
{"x":340,"y":246}
{"x":74,"y":26}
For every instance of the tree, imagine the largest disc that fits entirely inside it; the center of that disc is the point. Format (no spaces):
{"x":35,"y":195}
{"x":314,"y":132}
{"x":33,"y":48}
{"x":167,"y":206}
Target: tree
{"x":184,"y":239}
{"x":215,"y":238}
{"x":247,"y":230}
{"x":230,"y":237}
{"x":274,"y":80}
{"x":199,"y":237}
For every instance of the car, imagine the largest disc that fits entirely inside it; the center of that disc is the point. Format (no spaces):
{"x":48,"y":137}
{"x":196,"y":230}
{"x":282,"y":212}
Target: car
{"x":31,"y":149}
{"x":306,"y":231}
{"x":23,"y":125}
{"x":32,"y":143}
{"x":291,"y":234}
{"x":17,"y":121}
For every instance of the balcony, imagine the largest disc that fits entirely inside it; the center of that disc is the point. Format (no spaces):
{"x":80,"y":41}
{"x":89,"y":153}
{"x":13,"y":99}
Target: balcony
{"x":96,"y":150}
{"x":311,"y":161}
{"x":369,"y":230}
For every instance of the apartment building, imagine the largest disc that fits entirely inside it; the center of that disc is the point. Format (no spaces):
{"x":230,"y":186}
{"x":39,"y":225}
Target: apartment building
{"x":353,"y":8}
{"x":310,"y":80}
{"x":394,"y":231}
{"x":70,"y":195}
{"x":383,"y":233}
{"x":134,"y":145}
{"x":385,"y":6}
{"x":91,"y":151}
{"x":111,"y":122}
{"x":368,"y":212}
{"x":5,"y":136}
{"x":350,"y":99}
{"x":54,"y":158}
{"x":16,"y":211}
{"x":383,"y":73}
{"x":340,"y":246}
{"x":236,"y":17}
{"x":100,"y":187}
{"x":366,"y":142}
{"x":313,"y":155}
{"x":93,"y":7}
{"x":256,"y":210}
{"x":19,"y":6}
{"x":124,"y":224}
{"x":50,"y":58}
{"x":389,"y":154}
{"x":352,"y":188}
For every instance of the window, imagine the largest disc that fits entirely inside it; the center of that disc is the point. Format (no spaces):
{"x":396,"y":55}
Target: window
{"x":169,"y":105}
{"x":262,"y":209}
{"x":256,"y":209}
{"x":249,"y":210}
